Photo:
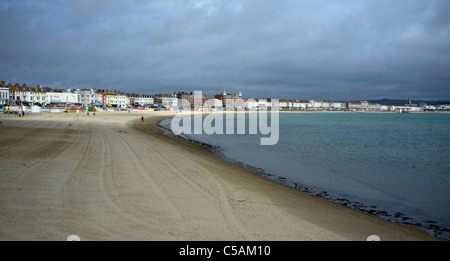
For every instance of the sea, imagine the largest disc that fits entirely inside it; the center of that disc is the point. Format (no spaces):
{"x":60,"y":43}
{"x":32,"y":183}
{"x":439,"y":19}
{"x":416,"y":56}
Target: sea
{"x":391,"y":165}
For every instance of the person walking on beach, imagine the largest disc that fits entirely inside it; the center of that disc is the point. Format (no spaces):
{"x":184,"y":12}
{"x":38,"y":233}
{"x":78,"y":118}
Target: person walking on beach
{"x":142,"y":119}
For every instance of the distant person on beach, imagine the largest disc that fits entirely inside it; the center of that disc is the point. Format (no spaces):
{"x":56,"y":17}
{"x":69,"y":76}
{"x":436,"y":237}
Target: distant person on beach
{"x":142,"y":119}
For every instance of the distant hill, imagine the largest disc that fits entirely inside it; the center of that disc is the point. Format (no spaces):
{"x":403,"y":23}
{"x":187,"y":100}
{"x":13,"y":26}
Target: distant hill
{"x":401,"y":102}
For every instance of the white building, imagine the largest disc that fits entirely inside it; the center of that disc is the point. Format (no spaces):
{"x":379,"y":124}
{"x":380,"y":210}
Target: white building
{"x":286,"y":104}
{"x":168,"y":102}
{"x":18,"y":95}
{"x":4,"y":96}
{"x":118,"y":100}
{"x":318,"y":105}
{"x":40,"y":96}
{"x":171,"y":102}
{"x":401,"y":108}
{"x":213,"y":103}
{"x":89,"y":96}
{"x":24,"y":94}
{"x":358,"y":106}
{"x":143,"y":100}
{"x":339,"y":106}
{"x":251,"y":104}
{"x":298,"y":105}
{"x":263,"y":104}
{"x":415,"y":108}
{"x":62,"y":97}
{"x":374,"y":107}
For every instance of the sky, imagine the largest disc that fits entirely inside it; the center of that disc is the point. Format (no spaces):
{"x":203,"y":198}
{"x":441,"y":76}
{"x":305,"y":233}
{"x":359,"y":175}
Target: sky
{"x":299,"y":49}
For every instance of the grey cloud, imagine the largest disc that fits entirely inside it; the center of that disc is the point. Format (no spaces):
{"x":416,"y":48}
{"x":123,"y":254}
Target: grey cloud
{"x":285,"y":49}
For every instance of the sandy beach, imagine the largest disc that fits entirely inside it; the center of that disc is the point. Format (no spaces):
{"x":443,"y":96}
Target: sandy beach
{"x":111,"y":177}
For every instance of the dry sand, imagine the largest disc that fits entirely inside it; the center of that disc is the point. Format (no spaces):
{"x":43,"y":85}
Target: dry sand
{"x":110,"y":177}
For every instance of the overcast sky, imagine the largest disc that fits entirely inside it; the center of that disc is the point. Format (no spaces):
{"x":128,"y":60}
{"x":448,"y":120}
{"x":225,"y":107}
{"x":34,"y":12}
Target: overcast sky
{"x":311,"y":49}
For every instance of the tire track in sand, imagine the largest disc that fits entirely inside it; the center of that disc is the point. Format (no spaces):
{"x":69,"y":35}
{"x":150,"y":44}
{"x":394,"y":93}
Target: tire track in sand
{"x":126,"y":208}
{"x":29,"y":190}
{"x":228,"y":213}
{"x":41,"y":166}
{"x":225,"y":196}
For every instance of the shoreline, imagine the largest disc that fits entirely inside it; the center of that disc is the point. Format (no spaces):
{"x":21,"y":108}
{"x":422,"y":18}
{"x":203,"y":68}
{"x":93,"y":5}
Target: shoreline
{"x":394,"y":217}
{"x":130,"y":181}
{"x":397,"y":218}
{"x":353,"y":206}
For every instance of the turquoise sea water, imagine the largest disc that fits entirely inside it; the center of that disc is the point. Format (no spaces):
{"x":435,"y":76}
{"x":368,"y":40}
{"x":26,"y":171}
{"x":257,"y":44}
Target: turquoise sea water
{"x":396,"y":166}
